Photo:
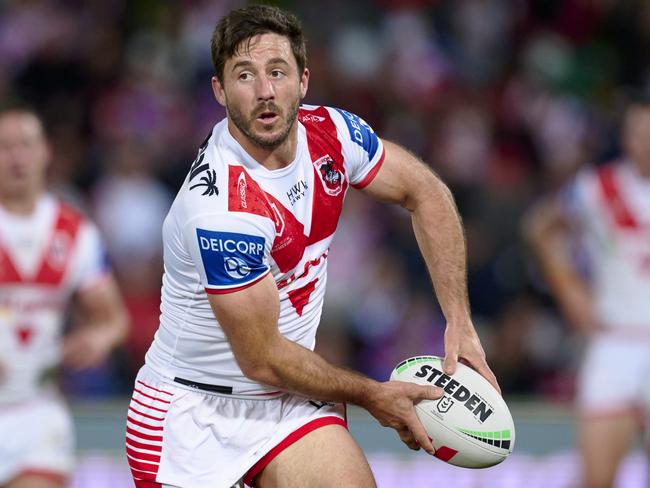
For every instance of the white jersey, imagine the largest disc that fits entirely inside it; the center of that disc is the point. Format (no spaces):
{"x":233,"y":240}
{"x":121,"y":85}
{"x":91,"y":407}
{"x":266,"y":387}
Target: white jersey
{"x":611,"y":204}
{"x":44,"y":258}
{"x":234,"y":221}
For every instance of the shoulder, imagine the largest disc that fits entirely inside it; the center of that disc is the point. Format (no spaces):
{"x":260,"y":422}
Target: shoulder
{"x":205,"y":187}
{"x":603,"y":177}
{"x":67,"y":215}
{"x":352,"y":131}
{"x":324,"y":116}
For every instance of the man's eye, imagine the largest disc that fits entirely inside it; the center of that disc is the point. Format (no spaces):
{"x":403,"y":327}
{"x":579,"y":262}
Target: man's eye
{"x":276,"y":73}
{"x":245,"y":76}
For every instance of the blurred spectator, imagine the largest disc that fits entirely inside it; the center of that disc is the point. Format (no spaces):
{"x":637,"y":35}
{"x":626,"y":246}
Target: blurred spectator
{"x":51,"y":256}
{"x":604,"y":213}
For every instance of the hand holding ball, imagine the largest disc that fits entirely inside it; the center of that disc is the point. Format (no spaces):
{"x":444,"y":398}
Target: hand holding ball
{"x":471,"y":425}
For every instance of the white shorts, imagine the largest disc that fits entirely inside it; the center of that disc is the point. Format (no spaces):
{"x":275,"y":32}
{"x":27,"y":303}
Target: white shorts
{"x":190,"y":438}
{"x":37,"y":438}
{"x":615,"y":377}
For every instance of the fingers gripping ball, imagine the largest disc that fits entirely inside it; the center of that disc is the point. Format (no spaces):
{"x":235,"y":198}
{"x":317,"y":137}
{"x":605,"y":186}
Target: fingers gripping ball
{"x":471,"y":425}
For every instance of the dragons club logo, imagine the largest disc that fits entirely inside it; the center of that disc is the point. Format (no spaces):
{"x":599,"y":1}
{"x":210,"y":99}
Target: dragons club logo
{"x":330,"y":176}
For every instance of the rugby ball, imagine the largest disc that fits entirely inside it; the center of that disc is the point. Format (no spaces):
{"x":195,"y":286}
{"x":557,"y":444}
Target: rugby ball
{"x":471,"y":425}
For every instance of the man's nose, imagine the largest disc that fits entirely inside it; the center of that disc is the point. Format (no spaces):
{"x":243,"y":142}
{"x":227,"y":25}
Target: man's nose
{"x":265,"y":89}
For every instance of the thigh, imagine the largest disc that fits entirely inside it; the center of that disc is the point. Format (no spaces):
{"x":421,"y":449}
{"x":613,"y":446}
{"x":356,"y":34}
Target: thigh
{"x":326,"y":457}
{"x":604,"y":441}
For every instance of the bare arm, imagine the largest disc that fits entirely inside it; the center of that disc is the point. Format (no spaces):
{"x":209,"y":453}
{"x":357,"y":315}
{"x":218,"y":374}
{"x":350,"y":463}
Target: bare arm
{"x":548,"y":232}
{"x":406,"y":181}
{"x":102,"y":327}
{"x":250,"y":320}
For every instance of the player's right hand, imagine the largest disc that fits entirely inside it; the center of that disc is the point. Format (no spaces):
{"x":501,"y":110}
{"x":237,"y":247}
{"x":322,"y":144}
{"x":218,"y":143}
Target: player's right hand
{"x":393,"y":405}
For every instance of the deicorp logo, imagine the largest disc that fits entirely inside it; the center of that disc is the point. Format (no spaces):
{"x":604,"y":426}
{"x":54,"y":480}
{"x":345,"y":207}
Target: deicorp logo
{"x":230,"y":258}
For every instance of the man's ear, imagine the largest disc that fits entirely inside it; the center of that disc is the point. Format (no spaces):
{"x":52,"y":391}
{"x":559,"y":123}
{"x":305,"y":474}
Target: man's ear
{"x":304,"y":83}
{"x":218,"y":91}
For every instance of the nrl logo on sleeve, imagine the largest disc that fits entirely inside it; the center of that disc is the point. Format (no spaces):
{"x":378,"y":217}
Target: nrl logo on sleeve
{"x":330,"y":176}
{"x":230,"y":258}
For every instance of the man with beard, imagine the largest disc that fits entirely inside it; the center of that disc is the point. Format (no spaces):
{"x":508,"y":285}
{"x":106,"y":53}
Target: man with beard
{"x":231,"y":390}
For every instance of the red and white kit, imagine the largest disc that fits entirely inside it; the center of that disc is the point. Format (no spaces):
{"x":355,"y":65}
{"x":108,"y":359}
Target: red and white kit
{"x":232,"y":223}
{"x":611,"y":205}
{"x":44,"y":258}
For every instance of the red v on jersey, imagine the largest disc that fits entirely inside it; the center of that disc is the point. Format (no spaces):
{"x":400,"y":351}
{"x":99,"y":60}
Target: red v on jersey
{"x":616,"y":205}
{"x":330,"y":181}
{"x":245,"y":195}
{"x":56,"y":256}
{"x":300,"y":297}
{"x":330,"y":185}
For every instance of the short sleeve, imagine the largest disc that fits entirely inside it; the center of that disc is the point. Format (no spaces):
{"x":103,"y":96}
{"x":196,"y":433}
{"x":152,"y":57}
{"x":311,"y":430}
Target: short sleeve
{"x":230,"y":251}
{"x":91,"y":259}
{"x":363,"y":151}
{"x":574,"y":197}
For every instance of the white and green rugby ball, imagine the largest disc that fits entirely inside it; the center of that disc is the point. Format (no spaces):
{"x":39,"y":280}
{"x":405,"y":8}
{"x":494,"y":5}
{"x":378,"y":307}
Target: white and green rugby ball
{"x":471,"y":425}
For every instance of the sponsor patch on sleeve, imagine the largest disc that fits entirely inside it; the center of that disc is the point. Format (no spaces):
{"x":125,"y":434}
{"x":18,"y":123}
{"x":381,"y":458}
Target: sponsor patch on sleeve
{"x":361,"y":133}
{"x":231,"y":259}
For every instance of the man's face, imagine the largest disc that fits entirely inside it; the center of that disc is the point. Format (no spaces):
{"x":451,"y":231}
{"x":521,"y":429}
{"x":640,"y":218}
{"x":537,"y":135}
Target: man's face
{"x":262,"y":90}
{"x":637,"y":137}
{"x":23,"y":153}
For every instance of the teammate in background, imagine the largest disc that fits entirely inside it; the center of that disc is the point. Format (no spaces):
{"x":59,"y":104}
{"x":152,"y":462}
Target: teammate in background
{"x":50,"y":256}
{"x":231,"y":389}
{"x":607,"y":210}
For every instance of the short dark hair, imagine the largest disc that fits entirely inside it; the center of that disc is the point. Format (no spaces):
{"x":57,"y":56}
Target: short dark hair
{"x":16,"y":105}
{"x":243,"y":24}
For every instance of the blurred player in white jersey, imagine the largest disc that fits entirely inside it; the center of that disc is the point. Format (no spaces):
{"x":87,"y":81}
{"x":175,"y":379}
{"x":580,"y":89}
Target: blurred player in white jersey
{"x":50,"y":256}
{"x":606,"y":210}
{"x":231,"y":389}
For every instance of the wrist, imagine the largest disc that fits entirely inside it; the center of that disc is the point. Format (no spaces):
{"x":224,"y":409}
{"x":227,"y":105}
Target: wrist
{"x":367,"y":394}
{"x":458,"y":319}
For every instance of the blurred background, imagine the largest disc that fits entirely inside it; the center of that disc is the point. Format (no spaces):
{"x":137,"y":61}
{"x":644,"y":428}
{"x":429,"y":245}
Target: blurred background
{"x":503,"y":98}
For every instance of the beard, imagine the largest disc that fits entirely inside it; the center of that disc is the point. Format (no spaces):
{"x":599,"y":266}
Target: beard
{"x":245,"y":125}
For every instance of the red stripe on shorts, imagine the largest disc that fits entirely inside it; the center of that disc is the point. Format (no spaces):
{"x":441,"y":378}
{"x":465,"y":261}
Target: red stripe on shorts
{"x":145,"y":415}
{"x":142,"y":445}
{"x":142,"y":456}
{"x":143,"y":425}
{"x":146,"y":484}
{"x":143,"y":466}
{"x":296,"y":435}
{"x":154,"y":389}
{"x":152,"y":397}
{"x":144,"y":437}
{"x":139,"y":475}
{"x":149,"y":406}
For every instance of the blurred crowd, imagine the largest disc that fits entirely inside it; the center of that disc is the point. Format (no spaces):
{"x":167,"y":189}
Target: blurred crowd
{"x":503,"y":98}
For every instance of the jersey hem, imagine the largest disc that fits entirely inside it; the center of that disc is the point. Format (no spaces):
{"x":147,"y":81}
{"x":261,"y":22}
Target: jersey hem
{"x":371,"y":174}
{"x":225,"y":291}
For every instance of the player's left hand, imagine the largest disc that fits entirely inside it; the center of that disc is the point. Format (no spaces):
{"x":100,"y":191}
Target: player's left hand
{"x":86,"y":347}
{"x":462,"y":342}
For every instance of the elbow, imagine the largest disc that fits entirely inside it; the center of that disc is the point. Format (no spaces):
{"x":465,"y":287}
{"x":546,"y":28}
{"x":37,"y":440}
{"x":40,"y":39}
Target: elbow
{"x":425,"y":186}
{"x":258,"y":368}
{"x":259,"y":372}
{"x":122,"y":326}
